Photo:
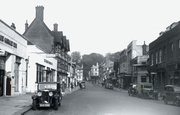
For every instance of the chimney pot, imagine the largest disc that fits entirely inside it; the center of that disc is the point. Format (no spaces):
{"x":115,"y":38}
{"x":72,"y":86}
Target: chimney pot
{"x":26,"y":25}
{"x":56,"y":27}
{"x":13,"y":26}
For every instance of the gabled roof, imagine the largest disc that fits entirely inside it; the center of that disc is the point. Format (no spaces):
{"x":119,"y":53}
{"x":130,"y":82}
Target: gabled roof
{"x":58,"y":36}
{"x":39,"y":34}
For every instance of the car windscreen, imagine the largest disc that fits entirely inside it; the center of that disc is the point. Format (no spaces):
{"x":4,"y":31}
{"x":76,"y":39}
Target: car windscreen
{"x":146,"y":86}
{"x":47,"y":86}
{"x":177,"y":89}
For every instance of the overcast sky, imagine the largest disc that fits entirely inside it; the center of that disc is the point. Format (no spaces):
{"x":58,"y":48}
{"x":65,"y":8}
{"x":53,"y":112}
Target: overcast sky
{"x":99,"y":26}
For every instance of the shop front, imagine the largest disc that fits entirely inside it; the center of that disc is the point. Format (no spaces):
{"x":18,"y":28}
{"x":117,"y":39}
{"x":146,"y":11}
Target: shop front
{"x":40,"y":68}
{"x":13,"y":48}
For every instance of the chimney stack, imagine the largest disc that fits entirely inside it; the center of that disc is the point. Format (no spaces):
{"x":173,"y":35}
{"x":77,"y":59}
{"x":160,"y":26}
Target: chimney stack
{"x":144,"y":48}
{"x":55,"y":27}
{"x":26,"y":25}
{"x":13,"y":26}
{"x":40,"y":13}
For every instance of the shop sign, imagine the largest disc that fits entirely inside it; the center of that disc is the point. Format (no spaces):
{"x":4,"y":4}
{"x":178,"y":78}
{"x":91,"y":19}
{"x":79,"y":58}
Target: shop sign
{"x":8,"y":41}
{"x":46,"y":61}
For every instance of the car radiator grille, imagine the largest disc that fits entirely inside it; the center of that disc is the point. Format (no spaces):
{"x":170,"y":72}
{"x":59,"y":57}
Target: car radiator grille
{"x":45,"y":97}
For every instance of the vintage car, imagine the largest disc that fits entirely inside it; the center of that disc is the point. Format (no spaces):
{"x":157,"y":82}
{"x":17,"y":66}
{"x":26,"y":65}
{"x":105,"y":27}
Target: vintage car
{"x":48,"y":95}
{"x":145,"y":90}
{"x":82,"y":85}
{"x":109,"y":85}
{"x":172,"y":94}
{"x":132,"y":89}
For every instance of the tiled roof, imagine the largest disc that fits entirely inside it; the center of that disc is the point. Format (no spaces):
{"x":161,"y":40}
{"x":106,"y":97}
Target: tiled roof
{"x":39,"y":34}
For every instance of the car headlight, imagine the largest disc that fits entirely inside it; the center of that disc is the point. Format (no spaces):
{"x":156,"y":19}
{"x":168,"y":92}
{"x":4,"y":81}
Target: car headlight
{"x":50,"y":93}
{"x":39,"y":93}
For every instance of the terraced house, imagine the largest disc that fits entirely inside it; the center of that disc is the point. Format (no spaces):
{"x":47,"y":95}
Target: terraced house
{"x":164,"y":57}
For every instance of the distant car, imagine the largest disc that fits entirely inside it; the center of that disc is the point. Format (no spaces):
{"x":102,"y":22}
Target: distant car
{"x":109,"y":85}
{"x":172,"y":94}
{"x":48,"y":95}
{"x":82,"y":85}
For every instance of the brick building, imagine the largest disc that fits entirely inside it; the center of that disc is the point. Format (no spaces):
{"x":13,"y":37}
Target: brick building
{"x":164,"y":60}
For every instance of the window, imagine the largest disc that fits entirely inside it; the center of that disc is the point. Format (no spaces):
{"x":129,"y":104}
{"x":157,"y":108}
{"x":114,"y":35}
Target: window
{"x":156,"y":57}
{"x":152,"y":59}
{"x":160,"y":56}
{"x":143,"y":78}
{"x":39,"y":73}
{"x":172,"y":47}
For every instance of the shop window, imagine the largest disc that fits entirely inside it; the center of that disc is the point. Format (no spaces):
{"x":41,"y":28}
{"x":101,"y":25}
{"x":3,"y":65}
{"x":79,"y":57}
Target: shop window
{"x":143,"y":78}
{"x":39,"y":73}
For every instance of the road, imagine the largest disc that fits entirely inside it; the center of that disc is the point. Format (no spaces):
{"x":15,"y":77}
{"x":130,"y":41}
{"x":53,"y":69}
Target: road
{"x":96,"y":100}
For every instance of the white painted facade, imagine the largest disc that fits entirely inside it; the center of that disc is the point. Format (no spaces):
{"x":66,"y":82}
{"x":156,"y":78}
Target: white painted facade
{"x":13,"y":62}
{"x":38,"y":57}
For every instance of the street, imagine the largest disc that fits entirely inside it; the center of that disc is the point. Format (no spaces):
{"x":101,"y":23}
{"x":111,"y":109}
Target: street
{"x":96,"y":100}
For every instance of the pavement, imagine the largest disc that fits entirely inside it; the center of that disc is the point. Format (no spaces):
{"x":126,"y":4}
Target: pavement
{"x":20,"y":104}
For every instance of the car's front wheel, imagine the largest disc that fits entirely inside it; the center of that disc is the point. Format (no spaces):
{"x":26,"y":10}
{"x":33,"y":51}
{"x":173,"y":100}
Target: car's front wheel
{"x":34,"y":107}
{"x":56,"y":104}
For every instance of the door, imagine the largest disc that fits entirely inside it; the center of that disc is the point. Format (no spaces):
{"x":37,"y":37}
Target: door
{"x":8,"y":86}
{"x":1,"y":82}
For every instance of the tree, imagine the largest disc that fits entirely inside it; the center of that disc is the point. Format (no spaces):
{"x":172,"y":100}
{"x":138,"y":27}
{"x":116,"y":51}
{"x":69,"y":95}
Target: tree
{"x":89,"y":60}
{"x":76,"y":57}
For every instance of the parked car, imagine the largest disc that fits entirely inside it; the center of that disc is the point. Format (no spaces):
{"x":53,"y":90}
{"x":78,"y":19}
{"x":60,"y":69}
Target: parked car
{"x":172,"y":94}
{"x":109,"y":85}
{"x":82,"y":85}
{"x":48,"y":95}
{"x":145,"y":90}
{"x":132,"y":90}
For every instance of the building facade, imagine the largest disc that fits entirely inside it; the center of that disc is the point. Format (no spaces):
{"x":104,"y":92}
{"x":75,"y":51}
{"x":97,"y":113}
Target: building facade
{"x":164,"y":58}
{"x":53,"y":43}
{"x":79,"y":73}
{"x":13,"y":55}
{"x":139,"y":66}
{"x":40,"y":68}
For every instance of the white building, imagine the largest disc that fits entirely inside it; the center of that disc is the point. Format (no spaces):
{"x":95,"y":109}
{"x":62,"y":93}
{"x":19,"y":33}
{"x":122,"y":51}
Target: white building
{"x":40,"y":68}
{"x":13,"y":47}
{"x":79,"y":73}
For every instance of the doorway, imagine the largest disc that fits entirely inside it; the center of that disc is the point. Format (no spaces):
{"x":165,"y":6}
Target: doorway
{"x":8,"y":86}
{"x":1,"y":82}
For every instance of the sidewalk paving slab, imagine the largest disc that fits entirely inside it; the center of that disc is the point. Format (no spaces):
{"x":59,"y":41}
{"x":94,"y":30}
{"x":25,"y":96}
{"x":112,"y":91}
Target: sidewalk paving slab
{"x":20,"y":104}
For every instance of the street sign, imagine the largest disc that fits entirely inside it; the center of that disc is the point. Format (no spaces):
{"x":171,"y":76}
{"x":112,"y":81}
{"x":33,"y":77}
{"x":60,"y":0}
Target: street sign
{"x":53,"y":55}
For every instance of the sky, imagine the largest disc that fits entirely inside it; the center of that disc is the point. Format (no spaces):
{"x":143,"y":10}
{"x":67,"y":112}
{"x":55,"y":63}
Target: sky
{"x":97,"y":26}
